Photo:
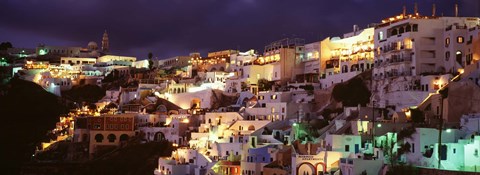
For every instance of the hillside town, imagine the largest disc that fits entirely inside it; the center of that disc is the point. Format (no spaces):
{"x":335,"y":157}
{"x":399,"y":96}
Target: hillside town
{"x":401,"y":94}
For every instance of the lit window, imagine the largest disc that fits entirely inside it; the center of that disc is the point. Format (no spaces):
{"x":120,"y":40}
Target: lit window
{"x":273,"y":110}
{"x":447,"y":42}
{"x":274,"y":97}
{"x":460,"y":39}
{"x":380,"y":36}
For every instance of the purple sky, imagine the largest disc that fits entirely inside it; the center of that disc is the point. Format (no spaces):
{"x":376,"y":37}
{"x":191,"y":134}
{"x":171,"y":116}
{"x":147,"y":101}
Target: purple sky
{"x":178,"y":27}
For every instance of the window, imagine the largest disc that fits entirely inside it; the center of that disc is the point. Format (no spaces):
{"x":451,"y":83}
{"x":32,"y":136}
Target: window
{"x":347,"y":148}
{"x":380,"y":35}
{"x":111,"y":138}
{"x":99,"y":138}
{"x":415,"y":27}
{"x":447,"y":55}
{"x":460,"y":39}
{"x":283,"y":110}
{"x":274,"y":97}
{"x":273,"y":110}
{"x":394,"y":32}
{"x":447,"y":42}
{"x":454,"y":150}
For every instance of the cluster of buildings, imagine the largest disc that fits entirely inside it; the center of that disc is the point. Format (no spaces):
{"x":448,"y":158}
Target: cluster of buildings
{"x":245,"y":113}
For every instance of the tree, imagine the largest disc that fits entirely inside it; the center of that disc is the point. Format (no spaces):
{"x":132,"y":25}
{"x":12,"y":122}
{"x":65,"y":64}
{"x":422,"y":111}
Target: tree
{"x":352,"y":93}
{"x":150,"y":61}
{"x":264,"y":84}
{"x":417,"y":115}
{"x":5,"y":45}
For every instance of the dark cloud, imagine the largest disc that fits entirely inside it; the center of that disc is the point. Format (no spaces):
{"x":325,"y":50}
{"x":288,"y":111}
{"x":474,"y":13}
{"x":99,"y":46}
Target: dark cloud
{"x":177,"y":27}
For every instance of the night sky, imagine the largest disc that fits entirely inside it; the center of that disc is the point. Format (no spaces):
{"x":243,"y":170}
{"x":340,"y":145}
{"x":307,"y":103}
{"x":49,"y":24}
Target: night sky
{"x":178,"y":27}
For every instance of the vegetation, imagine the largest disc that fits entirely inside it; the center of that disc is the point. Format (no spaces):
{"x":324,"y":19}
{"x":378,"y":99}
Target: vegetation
{"x":417,"y":115}
{"x":402,"y":169}
{"x":265,"y":85}
{"x":150,"y":61}
{"x":85,"y":93}
{"x":352,"y":93}
{"x":28,"y":112}
{"x":5,"y":45}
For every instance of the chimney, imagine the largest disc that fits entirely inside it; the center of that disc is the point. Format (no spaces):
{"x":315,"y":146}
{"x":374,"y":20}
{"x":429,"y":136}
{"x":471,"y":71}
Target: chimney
{"x":404,"y":10}
{"x":434,"y":9}
{"x":355,"y":28}
{"x":415,"y":9}
{"x":456,"y":10}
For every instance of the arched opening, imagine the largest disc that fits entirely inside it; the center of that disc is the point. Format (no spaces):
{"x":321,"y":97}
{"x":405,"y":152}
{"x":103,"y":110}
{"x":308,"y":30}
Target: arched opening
{"x":124,"y":138}
{"x":213,"y":69}
{"x":320,"y":167}
{"x":394,"y":32}
{"x":162,"y":108}
{"x":354,"y":68}
{"x":251,"y":128}
{"x":195,"y":104}
{"x":222,"y":69}
{"x":159,"y":136}
{"x":306,"y":168}
{"x":99,"y":138}
{"x":408,"y":28}
{"x":344,"y":69}
{"x":458,"y":57}
{"x":111,"y":138}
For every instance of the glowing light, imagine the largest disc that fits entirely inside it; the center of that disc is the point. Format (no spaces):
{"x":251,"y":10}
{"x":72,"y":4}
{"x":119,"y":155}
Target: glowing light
{"x":379,"y":125}
{"x":449,"y":130}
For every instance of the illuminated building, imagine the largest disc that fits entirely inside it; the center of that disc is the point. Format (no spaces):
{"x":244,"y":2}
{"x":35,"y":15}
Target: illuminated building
{"x":104,"y":131}
{"x":343,"y":58}
{"x":284,"y":56}
{"x":416,"y":55}
{"x":76,"y":60}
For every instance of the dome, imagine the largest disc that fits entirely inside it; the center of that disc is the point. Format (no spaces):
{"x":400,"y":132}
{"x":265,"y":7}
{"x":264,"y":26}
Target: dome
{"x":92,"y":45}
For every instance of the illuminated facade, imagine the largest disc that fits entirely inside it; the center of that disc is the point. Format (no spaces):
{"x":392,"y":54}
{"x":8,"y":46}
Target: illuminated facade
{"x":344,"y":58}
{"x":416,"y":55}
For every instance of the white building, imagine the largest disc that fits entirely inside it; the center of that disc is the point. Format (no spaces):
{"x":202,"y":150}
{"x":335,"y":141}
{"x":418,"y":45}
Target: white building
{"x":410,"y":47}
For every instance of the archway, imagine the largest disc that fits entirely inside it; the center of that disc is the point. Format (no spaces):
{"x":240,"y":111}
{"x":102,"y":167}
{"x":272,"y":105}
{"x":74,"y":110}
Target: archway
{"x":251,"y":128}
{"x":458,"y":57}
{"x":321,"y":168}
{"x":111,"y":138}
{"x":195,"y":104}
{"x":159,"y":136}
{"x":306,"y":168}
{"x":99,"y":138}
{"x":124,"y":137}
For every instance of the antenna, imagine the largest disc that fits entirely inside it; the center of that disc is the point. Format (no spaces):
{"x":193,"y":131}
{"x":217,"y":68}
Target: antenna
{"x":434,"y":9}
{"x":456,"y":9}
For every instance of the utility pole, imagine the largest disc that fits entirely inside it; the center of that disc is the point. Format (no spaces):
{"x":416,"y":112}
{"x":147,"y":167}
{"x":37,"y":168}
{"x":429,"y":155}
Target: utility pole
{"x":440,"y":129}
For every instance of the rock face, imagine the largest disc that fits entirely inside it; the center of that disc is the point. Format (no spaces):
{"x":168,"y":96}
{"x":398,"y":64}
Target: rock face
{"x":28,"y":112}
{"x":462,"y":99}
{"x":220,"y":99}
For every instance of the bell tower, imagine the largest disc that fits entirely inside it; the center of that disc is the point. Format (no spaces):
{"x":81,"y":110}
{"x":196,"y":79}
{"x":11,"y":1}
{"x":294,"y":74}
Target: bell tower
{"x":105,"y":44}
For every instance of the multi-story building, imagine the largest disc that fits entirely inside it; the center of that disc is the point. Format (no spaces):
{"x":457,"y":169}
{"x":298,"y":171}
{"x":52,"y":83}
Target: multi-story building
{"x":416,"y":55}
{"x":344,"y":58}
{"x":285,"y":57}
